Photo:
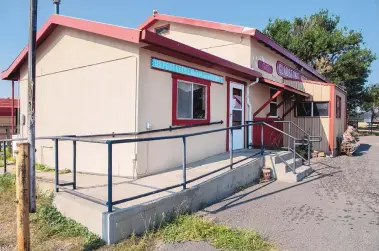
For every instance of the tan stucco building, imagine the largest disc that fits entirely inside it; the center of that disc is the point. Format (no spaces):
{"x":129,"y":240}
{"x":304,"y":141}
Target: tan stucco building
{"x":249,"y":47}
{"x":95,"y":78}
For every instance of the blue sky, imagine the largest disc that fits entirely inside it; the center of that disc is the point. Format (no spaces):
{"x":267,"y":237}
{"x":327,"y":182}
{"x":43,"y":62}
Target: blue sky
{"x":14,"y":18}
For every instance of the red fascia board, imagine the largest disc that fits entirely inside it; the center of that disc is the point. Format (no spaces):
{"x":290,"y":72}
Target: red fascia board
{"x":284,"y":86}
{"x":117,"y":32}
{"x":148,"y":23}
{"x":215,"y":62}
{"x":195,"y":22}
{"x":254,"y":33}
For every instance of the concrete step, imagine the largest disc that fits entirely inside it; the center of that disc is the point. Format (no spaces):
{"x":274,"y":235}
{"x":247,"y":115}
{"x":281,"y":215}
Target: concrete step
{"x":273,"y":159}
{"x":282,"y":168}
{"x":300,"y":173}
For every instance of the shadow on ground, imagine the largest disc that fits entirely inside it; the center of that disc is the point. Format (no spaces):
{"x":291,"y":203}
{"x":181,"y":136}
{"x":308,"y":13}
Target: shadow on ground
{"x":235,"y":201}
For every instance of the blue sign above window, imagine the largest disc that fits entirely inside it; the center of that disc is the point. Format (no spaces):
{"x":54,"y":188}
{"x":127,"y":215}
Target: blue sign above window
{"x":168,"y":66}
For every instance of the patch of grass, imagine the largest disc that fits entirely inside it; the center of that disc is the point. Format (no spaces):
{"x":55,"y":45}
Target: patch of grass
{"x":46,"y":168}
{"x":135,"y":243}
{"x":50,"y":230}
{"x":51,"y":223}
{"x":7,"y":182}
{"x":194,"y":228}
{"x":8,"y":154}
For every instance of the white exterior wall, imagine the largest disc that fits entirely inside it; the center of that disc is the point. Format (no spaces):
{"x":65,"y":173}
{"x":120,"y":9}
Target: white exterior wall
{"x":86,"y":84}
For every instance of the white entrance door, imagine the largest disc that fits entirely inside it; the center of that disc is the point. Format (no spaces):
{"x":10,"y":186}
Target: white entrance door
{"x":237,"y":113}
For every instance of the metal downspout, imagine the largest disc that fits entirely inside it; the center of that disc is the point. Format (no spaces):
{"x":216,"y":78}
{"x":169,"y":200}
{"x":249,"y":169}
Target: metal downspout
{"x":249,"y":110}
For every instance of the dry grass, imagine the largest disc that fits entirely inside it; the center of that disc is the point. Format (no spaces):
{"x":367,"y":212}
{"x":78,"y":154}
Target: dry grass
{"x":50,"y":230}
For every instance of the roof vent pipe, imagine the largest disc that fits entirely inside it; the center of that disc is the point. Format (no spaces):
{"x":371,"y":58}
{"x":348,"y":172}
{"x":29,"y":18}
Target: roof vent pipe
{"x":57,"y":3}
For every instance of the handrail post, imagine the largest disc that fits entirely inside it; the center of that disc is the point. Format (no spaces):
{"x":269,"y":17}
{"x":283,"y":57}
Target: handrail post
{"x":294,"y":157}
{"x":184,"y":164}
{"x":231,"y":148}
{"x":5,"y":156}
{"x":309,"y":151}
{"x":247,"y":135}
{"x":262,"y":139}
{"x":110,"y":202}
{"x":56,"y":165}
{"x":74,"y":164}
{"x":289,"y":132}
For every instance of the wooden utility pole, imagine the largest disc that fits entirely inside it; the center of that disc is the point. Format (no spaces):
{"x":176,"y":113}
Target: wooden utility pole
{"x":22,"y":197}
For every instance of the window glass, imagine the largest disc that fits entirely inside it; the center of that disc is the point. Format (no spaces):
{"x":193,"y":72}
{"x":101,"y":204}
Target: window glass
{"x":162,"y":30}
{"x":237,"y":98}
{"x":273,"y":104}
{"x":199,"y":101}
{"x":237,"y":117}
{"x":184,"y":108}
{"x":304,"y":109}
{"x":338,"y":107}
{"x":320,"y":109}
{"x":191,"y":101}
{"x":273,"y":110}
{"x":272,"y":93}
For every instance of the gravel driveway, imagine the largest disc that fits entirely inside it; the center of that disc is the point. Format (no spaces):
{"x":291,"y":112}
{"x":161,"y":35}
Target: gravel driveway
{"x":336,"y":208}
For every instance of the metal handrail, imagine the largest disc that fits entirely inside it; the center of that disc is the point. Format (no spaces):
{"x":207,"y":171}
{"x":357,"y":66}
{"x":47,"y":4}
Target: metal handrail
{"x":82,"y":137}
{"x":306,"y":141}
{"x":110,"y":203}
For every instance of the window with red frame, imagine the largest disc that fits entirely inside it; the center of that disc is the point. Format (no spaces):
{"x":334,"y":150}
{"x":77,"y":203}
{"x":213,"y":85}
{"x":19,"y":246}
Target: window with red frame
{"x":338,"y":107}
{"x":191,"y":101}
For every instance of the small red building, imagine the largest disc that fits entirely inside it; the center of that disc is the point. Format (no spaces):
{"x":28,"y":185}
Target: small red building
{"x":8,"y":117}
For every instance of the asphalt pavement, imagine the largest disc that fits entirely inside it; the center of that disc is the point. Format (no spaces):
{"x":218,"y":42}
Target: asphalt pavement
{"x":335,"y":208}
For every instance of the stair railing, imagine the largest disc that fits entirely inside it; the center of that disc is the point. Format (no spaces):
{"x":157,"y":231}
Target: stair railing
{"x":306,"y":140}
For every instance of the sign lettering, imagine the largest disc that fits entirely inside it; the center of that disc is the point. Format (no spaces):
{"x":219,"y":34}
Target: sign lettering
{"x":287,"y":72}
{"x":265,"y":66}
{"x":172,"y":67}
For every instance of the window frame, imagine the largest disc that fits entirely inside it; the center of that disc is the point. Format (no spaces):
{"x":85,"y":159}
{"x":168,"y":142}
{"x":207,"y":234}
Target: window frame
{"x":312,"y":105}
{"x":191,"y":80}
{"x":273,"y":102}
{"x":338,"y":107}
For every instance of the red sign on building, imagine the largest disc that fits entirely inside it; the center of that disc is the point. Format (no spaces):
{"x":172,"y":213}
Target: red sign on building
{"x":265,"y":67}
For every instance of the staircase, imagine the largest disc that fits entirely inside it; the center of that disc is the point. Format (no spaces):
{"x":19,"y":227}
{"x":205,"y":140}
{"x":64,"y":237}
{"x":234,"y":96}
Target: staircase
{"x":288,"y":165}
{"x":282,"y":163}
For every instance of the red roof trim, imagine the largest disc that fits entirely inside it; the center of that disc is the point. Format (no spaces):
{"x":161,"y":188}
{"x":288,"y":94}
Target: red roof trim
{"x":216,"y":62}
{"x":254,"y":33}
{"x":118,"y":32}
{"x":7,"y":103}
{"x":157,"y":42}
{"x":284,"y":86}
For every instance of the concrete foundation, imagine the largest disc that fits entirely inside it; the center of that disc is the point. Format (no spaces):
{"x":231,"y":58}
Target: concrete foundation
{"x":137,"y":219}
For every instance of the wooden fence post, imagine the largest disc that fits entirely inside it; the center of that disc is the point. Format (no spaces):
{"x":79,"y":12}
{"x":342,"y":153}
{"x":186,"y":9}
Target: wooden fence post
{"x":22,"y":197}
